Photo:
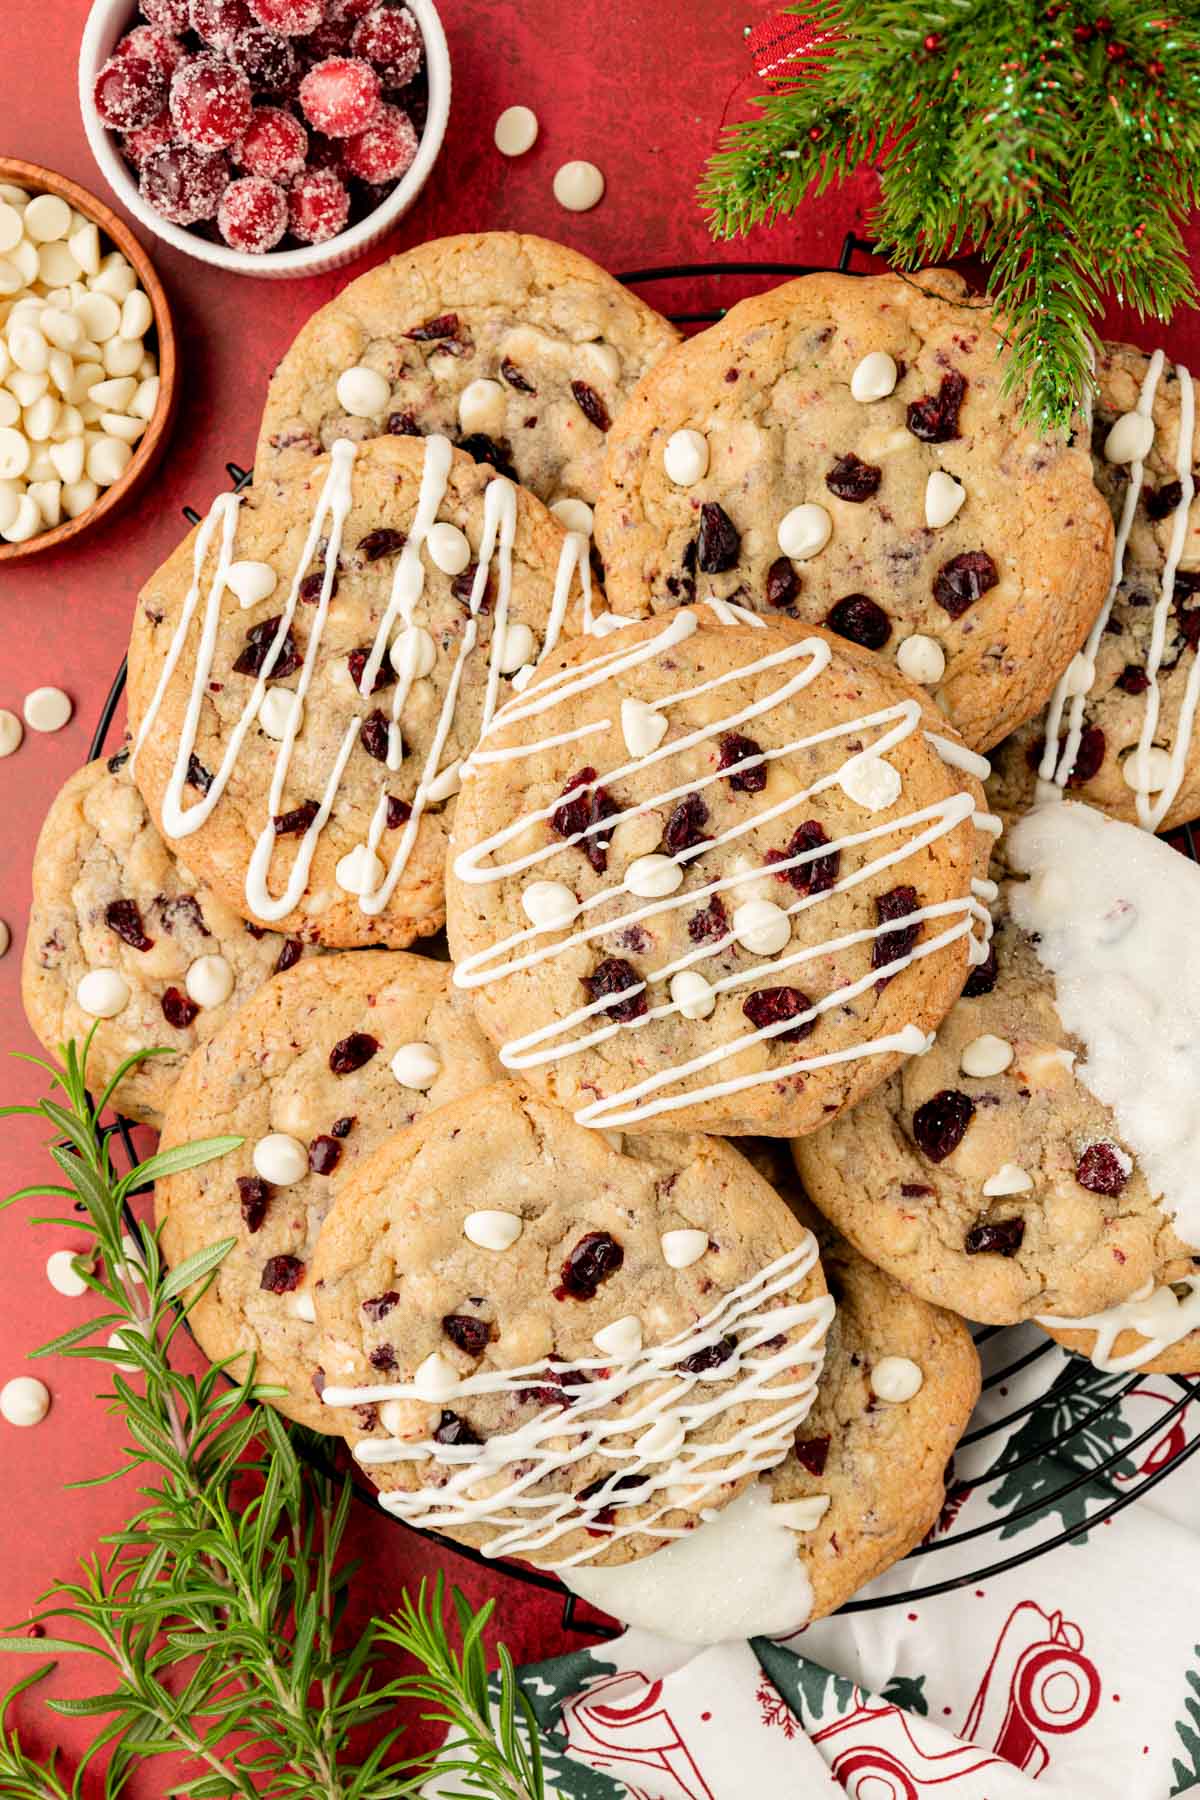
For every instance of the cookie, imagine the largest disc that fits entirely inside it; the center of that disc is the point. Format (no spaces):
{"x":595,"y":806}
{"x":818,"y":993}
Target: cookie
{"x":1005,"y":1193}
{"x":522,"y":351}
{"x":123,"y":937}
{"x":1124,"y":690}
{"x":1156,"y":1331}
{"x":387,"y":596}
{"x":314,"y":1073}
{"x":573,"y":1349}
{"x":843,"y":451}
{"x":714,"y":873}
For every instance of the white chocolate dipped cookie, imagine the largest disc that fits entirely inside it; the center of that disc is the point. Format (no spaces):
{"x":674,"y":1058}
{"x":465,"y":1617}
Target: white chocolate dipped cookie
{"x":573,"y":1350}
{"x":311,"y":666}
{"x":716,"y":873}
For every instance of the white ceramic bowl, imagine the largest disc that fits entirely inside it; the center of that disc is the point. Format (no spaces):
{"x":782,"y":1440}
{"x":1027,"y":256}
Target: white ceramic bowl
{"x":109,"y":19}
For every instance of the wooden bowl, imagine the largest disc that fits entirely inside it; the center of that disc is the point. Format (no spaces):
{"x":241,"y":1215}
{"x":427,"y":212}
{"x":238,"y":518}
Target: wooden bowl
{"x":161,"y":338}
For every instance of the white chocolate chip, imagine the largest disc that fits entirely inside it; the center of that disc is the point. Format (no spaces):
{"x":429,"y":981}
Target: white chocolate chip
{"x":662,"y":1440}
{"x":622,"y":1339}
{"x":986,"y":1055}
{"x":652,"y":877}
{"x":121,"y":357}
{"x":363,"y":393}
{"x":118,"y":425}
{"x":24,"y":1401}
{"x":436,"y":1379}
{"x":683,"y":1248}
{"x":77,"y":496}
{"x":115,"y":393}
{"x":870,"y":781}
{"x":14,"y":454}
{"x":692,"y":994}
{"x":57,"y":268}
{"x":359,"y":871}
{"x":137,"y":315}
{"x":47,"y":709}
{"x":448,"y":547}
{"x":102,"y":993}
{"x":685,"y":457}
{"x":922,"y":659}
{"x":11,"y":732}
{"x":446,"y":782}
{"x":549,"y":903}
{"x":1148,"y":774}
{"x":481,"y":407}
{"x":801,"y":1515}
{"x":804,"y":531}
{"x":300,"y":1305}
{"x":116,"y":278}
{"x":47,"y":497}
{"x":896,"y":1378}
{"x":84,"y":245}
{"x":578,"y":186}
{"x":416,"y":1065}
{"x":1079,"y":674}
{"x":641,"y":726}
{"x":107,"y":460}
{"x":573,"y":515}
{"x":63,"y":1275}
{"x":762,"y":927}
{"x":209,"y":981}
{"x":11,"y":228}
{"x":875,"y":377}
{"x":493,"y":1230}
{"x":280,"y":1159}
{"x":1009,"y":1178}
{"x":145,"y":401}
{"x":277,"y":709}
{"x":413,"y":653}
{"x":1130,"y":438}
{"x":603,"y":358}
{"x":516,"y":649}
{"x":251,"y":581}
{"x":47,"y":217}
{"x":516,"y":131}
{"x":99,"y":315}
{"x":944,"y":498}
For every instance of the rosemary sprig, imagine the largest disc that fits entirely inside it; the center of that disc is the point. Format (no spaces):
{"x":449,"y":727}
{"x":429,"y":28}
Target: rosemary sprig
{"x":216,"y":1613}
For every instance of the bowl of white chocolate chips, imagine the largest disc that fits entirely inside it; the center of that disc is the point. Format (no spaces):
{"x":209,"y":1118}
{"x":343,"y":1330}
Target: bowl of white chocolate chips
{"x":87,"y":360}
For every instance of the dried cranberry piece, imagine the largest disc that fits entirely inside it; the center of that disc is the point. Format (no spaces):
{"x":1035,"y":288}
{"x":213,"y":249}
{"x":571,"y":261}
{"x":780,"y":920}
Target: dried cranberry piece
{"x":358,"y":658}
{"x":515,"y":379}
{"x":197,"y":775}
{"x":382,"y":1357}
{"x":736,"y":748}
{"x":982,"y":978}
{"x":853,"y":479}
{"x":719,"y":543}
{"x":384,"y":541}
{"x":1099,"y":1170}
{"x":712,"y":921}
{"x":496,"y":452}
{"x":711,"y":1357}
{"x":444,"y":326}
{"x":402,"y":424}
{"x":117,"y":761}
{"x":467,"y":1334}
{"x":683,"y":830}
{"x":399,"y":812}
{"x":259,"y":639}
{"x":452,"y":1429}
{"x":767,"y":1006}
{"x":178,"y":1009}
{"x":579,"y":810}
{"x":177,"y":909}
{"x":915,"y":1190}
{"x":940,"y":1125}
{"x":1089,"y":756}
{"x":890,"y":946}
{"x":125,"y":918}
{"x":1187,"y":618}
{"x":934,"y":417}
{"x":858,"y":618}
{"x":373,"y":735}
{"x":382,"y":1304}
{"x":812,"y":1454}
{"x":281,"y":1274}
{"x":817,"y":876}
{"x":591,"y":405}
{"x":593,"y":1259}
{"x":1133,"y":680}
{"x":289,"y":955}
{"x":341,"y":1128}
{"x":463,"y":584}
{"x":310,"y":587}
{"x":1161,"y":501}
{"x":613,"y":976}
{"x":609,"y":1484}
{"x":296,"y":822}
{"x":783,"y":583}
{"x":318,"y":1382}
{"x":350,"y":1053}
{"x":254,"y":1197}
{"x":324,"y":1155}
{"x":960,"y":582}
{"x":1003,"y":1237}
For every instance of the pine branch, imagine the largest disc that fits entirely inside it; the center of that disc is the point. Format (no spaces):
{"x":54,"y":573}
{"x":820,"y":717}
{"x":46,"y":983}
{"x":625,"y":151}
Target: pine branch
{"x":1061,"y":142}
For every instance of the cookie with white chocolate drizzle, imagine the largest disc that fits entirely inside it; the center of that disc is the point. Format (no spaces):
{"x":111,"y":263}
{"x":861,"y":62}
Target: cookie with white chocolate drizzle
{"x":310,"y":667}
{"x":314,"y":1073}
{"x":844,"y":452}
{"x":124,"y":941}
{"x":521,"y":350}
{"x":714,"y":873}
{"x":574,"y":1350}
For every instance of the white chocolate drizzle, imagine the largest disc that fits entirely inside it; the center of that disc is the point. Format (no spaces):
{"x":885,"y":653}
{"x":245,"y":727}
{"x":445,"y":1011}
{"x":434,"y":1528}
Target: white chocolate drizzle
{"x":642,"y":1416}
{"x":1157,"y":1315}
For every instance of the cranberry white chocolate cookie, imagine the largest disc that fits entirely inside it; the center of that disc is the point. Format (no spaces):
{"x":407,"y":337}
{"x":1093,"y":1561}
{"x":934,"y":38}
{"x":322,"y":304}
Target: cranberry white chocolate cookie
{"x":314,"y":1073}
{"x":714,"y":873}
{"x":310,"y":667}
{"x":521,"y":350}
{"x":123,"y":938}
{"x":843,"y":451}
{"x":1120,"y":730}
{"x":573,"y":1350}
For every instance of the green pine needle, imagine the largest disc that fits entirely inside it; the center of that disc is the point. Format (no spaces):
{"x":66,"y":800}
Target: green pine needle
{"x":1060,"y":142}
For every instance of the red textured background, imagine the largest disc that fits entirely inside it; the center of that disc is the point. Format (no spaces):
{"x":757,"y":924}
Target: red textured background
{"x":638,"y":86}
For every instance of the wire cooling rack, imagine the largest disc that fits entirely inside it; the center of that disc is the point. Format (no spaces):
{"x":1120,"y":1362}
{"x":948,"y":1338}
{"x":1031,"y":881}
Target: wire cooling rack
{"x":1056,"y":1448}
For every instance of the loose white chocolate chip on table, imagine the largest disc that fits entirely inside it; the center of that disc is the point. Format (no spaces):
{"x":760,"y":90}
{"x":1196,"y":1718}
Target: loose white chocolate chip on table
{"x":63,"y":1275}
{"x":549,"y":903}
{"x":416,"y":1065}
{"x":11,"y":732}
{"x":622,"y":1339}
{"x":944,"y":498}
{"x":280,"y":1159}
{"x":492,"y":1230}
{"x":24,"y":1401}
{"x":481,"y":407}
{"x":922,"y":659}
{"x":1130,"y":438}
{"x":102,"y":993}
{"x":363,"y":393}
{"x":683,"y":1248}
{"x":250,"y":581}
{"x":1009,"y":1178}
{"x":871,"y":781}
{"x":1148,"y":774}
{"x":578,"y":186}
{"x":762,"y":927}
{"x":692,"y":994}
{"x":573,"y":515}
{"x":449,"y":548}
{"x":209,"y":981}
{"x":896,"y":1378}
{"x":47,"y":709}
{"x":685,"y":457}
{"x":359,"y":871}
{"x":875,"y":377}
{"x":642,"y":727}
{"x":986,"y":1055}
{"x":516,"y":131}
{"x":651,"y":877}
{"x":804,"y":531}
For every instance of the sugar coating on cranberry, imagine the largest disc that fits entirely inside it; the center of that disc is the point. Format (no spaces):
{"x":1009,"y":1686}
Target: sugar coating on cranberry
{"x":168,"y":15}
{"x":210,"y":102}
{"x":184,"y":185}
{"x":129,"y":91}
{"x":155,"y":45}
{"x":275,"y":145}
{"x":218,"y":21}
{"x":385,"y":151}
{"x":149,"y":139}
{"x":270,"y":63}
{"x":388,"y":36}
{"x":340,"y":96}
{"x":318,"y":206}
{"x":253,"y":215}
{"x":288,"y":18}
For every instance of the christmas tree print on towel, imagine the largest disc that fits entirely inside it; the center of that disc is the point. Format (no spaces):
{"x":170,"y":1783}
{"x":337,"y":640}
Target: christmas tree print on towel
{"x":1060,"y":1460}
{"x":1187,"y":1774}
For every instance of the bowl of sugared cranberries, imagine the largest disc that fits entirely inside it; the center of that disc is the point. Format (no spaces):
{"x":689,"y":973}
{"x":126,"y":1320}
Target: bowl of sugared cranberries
{"x":270,"y":137}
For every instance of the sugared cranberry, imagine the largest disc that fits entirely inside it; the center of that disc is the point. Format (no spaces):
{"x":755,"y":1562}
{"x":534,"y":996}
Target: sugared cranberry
{"x":296,"y":822}
{"x":157,"y":46}
{"x":982,"y":978}
{"x":178,"y":1009}
{"x":281,"y":1274}
{"x":712,"y":921}
{"x":340,"y":96}
{"x":890,"y":946}
{"x":388,"y":37}
{"x":711,"y":1357}
{"x":318,"y":206}
{"x":769,"y":1006}
{"x":211,"y":102}
{"x":1100,"y":1170}
{"x":331,"y":38}
{"x":358,"y":659}
{"x":381,"y":1305}
{"x":275,"y":145}
{"x":858,"y":618}
{"x":719,"y":543}
{"x":399,"y":812}
{"x":1161,"y":501}
{"x":736,"y":748}
{"x":1089,"y":756}
{"x":125,"y":918}
{"x":386,"y":150}
{"x":583,"y":806}
{"x":1000,"y":1237}
{"x":218,"y":22}
{"x":470,"y":1335}
{"x":253,"y":215}
{"x":324,"y":1155}
{"x":149,"y":139}
{"x":252,"y":658}
{"x":591,"y":405}
{"x":817,"y":876}
{"x":853,"y":479}
{"x":351,"y":1053}
{"x":934,"y":417}
{"x":1133,"y":679}
{"x":289,"y":955}
{"x":269,"y":62}
{"x":452,"y":1429}
{"x":812,"y":1453}
{"x":783,"y":583}
{"x":183,"y":184}
{"x":592,"y":1260}
{"x":374,"y":733}
{"x":613,"y":976}
{"x":254,"y":1197}
{"x":130,"y":91}
{"x":960,"y":582}
{"x":685,"y":827}
{"x":288,"y":18}
{"x":940,"y":1125}
{"x":168,"y":15}
{"x":341,"y":1128}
